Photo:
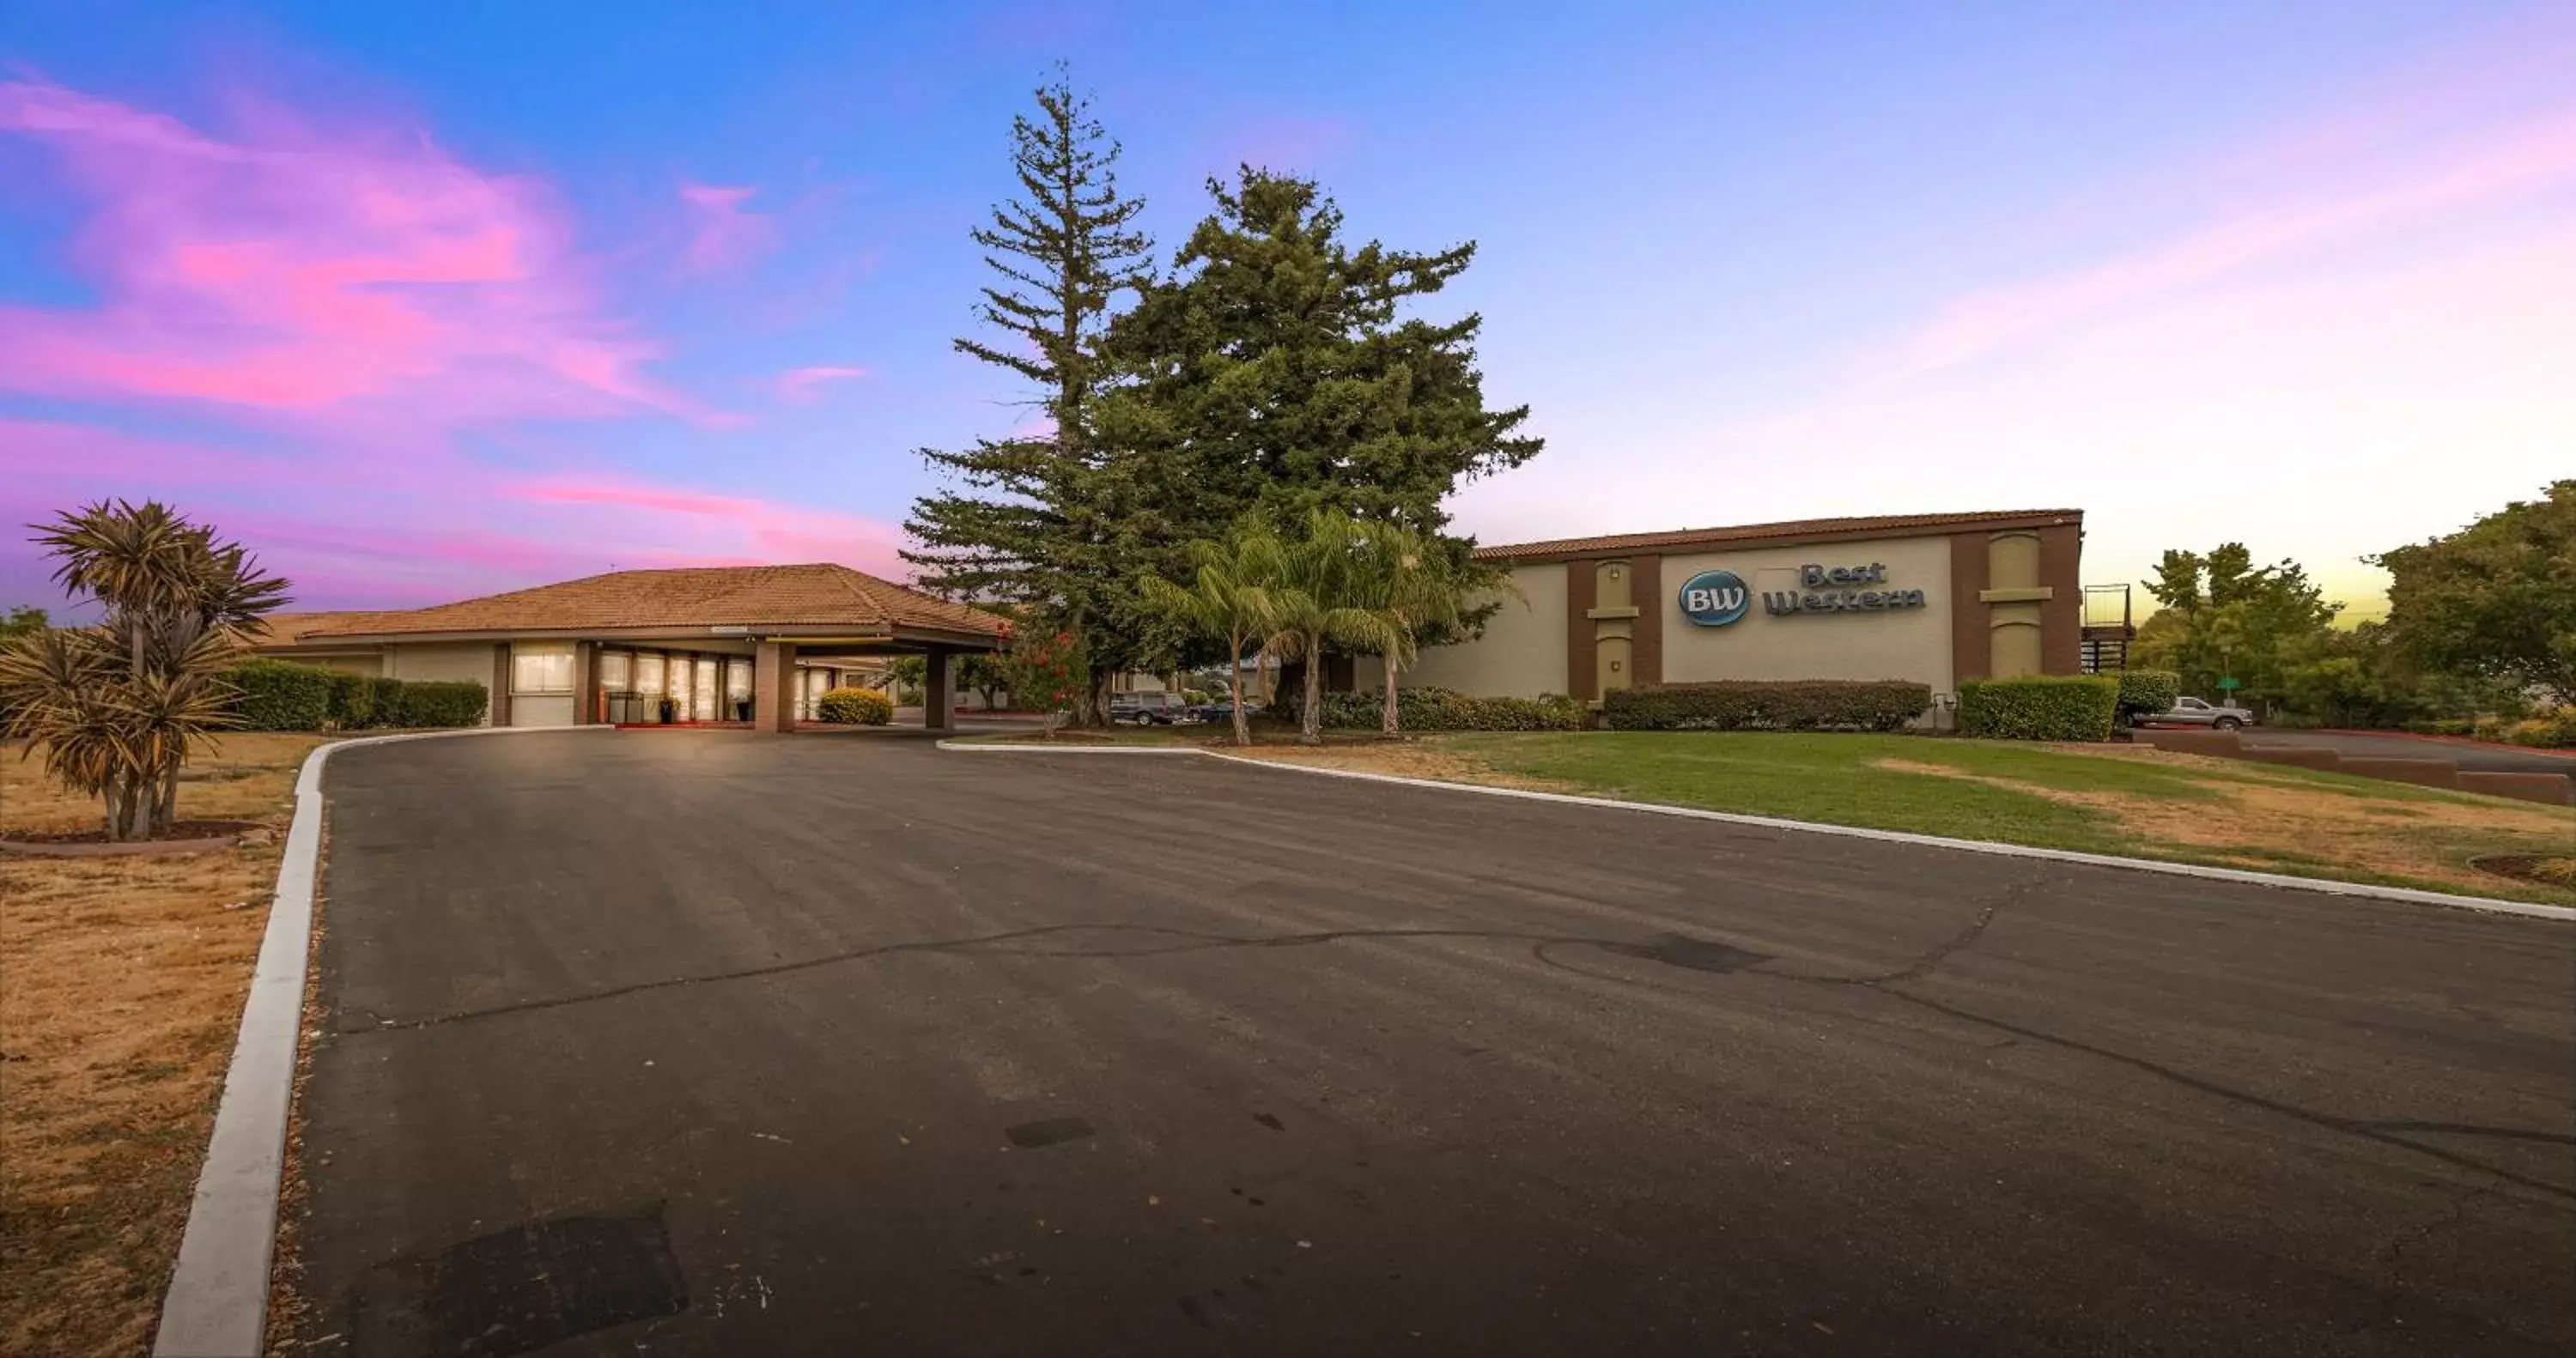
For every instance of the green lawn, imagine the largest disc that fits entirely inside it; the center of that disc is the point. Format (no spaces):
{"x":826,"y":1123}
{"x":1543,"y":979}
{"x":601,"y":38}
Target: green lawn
{"x":1830,"y":778}
{"x":2417,"y":836}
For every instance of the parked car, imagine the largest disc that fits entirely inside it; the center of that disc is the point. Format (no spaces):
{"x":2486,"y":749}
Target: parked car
{"x":1148,"y":709}
{"x":2200,"y":712}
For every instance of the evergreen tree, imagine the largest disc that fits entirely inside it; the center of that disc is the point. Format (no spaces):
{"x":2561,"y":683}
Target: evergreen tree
{"x":1277,"y":372}
{"x":1049,"y":521}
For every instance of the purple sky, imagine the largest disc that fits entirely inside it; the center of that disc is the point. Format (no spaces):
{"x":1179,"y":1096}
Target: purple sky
{"x":426,"y":302}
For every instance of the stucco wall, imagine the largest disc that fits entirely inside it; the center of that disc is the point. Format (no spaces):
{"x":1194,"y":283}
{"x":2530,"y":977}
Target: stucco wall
{"x":1912,"y":643}
{"x":1522,"y":653}
{"x":466,"y":661}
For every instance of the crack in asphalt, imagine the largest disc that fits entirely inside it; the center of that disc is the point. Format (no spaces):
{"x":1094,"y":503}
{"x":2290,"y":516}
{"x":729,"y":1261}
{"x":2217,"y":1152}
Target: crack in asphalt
{"x":983,"y":945}
{"x":1705,"y":955}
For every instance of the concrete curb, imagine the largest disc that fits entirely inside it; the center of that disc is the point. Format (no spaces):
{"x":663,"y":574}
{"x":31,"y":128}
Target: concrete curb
{"x":2240,"y":876}
{"x":217,"y":1302}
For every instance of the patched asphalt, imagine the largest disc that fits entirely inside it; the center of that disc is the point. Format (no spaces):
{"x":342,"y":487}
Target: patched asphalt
{"x":718,"y":1043}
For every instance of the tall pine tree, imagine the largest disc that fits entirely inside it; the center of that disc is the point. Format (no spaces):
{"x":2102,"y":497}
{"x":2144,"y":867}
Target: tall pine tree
{"x":1277,"y":368}
{"x":1049,"y":521}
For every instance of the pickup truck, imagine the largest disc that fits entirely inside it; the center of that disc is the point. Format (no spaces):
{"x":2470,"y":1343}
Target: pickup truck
{"x":2200,"y":712}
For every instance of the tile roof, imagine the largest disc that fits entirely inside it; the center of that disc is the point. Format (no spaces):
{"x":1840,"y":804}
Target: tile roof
{"x":285,"y":629}
{"x":1890,"y":525}
{"x":820,"y":595}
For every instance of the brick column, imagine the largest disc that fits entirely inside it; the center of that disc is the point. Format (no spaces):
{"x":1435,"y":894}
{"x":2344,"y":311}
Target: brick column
{"x":773,"y":687}
{"x":499,"y":708}
{"x":939,"y":691}
{"x":585,"y":683}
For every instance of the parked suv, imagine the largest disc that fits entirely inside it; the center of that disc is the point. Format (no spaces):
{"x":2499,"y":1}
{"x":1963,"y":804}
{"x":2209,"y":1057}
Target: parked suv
{"x":1148,"y":709}
{"x":2200,"y":712}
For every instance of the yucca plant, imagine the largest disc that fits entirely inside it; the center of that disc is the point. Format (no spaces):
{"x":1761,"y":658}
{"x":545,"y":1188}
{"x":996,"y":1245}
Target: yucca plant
{"x":115,"y":708}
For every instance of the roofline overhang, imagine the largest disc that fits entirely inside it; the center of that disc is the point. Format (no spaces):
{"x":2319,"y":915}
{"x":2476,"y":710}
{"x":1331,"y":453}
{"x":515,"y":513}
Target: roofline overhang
{"x":1544,"y":553}
{"x":799,"y":633}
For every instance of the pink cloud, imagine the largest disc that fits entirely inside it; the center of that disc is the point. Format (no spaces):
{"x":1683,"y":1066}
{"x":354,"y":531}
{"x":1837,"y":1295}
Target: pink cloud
{"x":803,"y":386}
{"x":724,"y":235}
{"x":705,"y":525}
{"x":2493,"y":170}
{"x":291,"y":269}
{"x":352,"y":532}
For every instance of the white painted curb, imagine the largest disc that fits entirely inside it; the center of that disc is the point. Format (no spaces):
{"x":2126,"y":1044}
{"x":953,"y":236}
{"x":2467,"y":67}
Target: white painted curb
{"x":217,"y":1304}
{"x":2271,"y":879}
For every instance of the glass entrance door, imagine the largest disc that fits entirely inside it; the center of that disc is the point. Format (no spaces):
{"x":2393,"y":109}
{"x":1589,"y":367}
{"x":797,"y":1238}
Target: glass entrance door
{"x":684,"y":688}
{"x":707,"y":692}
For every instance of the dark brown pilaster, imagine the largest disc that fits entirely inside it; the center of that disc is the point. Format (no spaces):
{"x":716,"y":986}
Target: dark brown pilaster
{"x":585,"y":683}
{"x":1646,"y":591}
{"x":1971,"y":650}
{"x":773,"y":687}
{"x":2061,"y":616}
{"x":500,"y":683}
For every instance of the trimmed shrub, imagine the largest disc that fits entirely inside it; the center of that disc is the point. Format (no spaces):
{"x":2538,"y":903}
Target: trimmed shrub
{"x":385,"y":700}
{"x":2040,"y":707}
{"x":1768,"y":705}
{"x":2548,"y":731}
{"x":854,"y":707}
{"x":361,"y":701}
{"x":2146,"y":692}
{"x":280,"y":695}
{"x":351,"y":701}
{"x":439,"y":702}
{"x":1431,"y":708}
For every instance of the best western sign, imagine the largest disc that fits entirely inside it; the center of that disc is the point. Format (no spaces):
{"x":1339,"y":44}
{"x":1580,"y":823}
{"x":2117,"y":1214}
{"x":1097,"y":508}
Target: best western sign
{"x":1717,"y":598}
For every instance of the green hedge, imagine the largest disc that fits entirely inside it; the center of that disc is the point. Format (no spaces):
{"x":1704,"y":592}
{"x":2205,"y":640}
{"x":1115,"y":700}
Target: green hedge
{"x":363,"y":701}
{"x":439,"y":703}
{"x":854,"y":707}
{"x":2040,"y":707}
{"x":2144,"y":692}
{"x":1431,"y":708}
{"x":280,"y":695}
{"x":1767,"y":705}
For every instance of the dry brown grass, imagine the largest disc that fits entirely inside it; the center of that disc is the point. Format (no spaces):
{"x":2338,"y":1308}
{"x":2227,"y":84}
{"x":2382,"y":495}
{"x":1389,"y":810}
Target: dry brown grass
{"x":121,"y":982}
{"x":1399,"y":759}
{"x":2256,"y":819}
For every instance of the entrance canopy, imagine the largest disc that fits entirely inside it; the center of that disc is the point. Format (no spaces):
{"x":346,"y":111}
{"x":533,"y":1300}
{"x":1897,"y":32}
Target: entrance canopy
{"x":772,"y":620}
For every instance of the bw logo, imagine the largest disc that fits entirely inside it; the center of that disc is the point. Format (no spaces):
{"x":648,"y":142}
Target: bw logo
{"x":1714,"y":598}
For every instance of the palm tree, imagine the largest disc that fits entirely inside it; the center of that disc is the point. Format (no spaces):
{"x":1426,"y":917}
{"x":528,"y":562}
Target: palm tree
{"x":1410,"y":583}
{"x":116,"y":707}
{"x":1230,"y":597}
{"x":1312,"y":605}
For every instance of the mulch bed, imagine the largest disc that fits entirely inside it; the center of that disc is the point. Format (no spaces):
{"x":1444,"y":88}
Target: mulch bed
{"x":187,"y":836}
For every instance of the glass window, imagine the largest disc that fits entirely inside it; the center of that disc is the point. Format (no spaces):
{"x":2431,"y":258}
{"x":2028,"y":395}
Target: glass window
{"x":541,"y":672}
{"x":648,"y":674}
{"x":617,"y":671}
{"x":737,"y":680}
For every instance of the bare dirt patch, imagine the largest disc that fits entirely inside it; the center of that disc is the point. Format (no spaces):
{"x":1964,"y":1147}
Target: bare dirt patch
{"x":2265,"y":824}
{"x":1398,"y":758}
{"x":121,"y":982}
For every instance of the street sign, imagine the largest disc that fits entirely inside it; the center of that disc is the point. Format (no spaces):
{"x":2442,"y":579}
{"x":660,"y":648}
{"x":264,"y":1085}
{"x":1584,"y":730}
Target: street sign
{"x":2230,"y":684}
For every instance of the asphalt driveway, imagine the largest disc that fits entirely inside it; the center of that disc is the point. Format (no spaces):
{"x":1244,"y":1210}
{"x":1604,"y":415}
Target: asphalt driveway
{"x":717,"y":1043}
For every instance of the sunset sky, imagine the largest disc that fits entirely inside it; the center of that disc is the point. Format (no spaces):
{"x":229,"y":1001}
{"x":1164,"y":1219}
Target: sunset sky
{"x":425,"y":301}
